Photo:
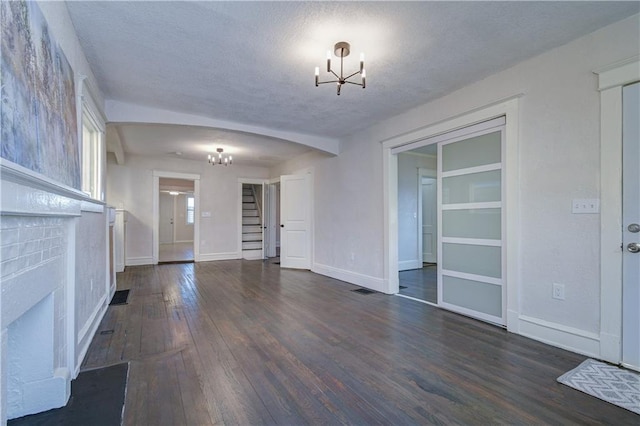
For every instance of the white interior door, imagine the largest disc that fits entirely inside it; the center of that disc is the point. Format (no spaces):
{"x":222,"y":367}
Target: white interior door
{"x":470,"y":225}
{"x":429,"y":220}
{"x":166,"y":218}
{"x":295,"y":221}
{"x":631,"y":226}
{"x":270,"y":220}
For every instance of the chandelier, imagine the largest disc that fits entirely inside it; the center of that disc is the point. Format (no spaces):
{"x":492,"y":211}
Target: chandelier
{"x":221,"y":159}
{"x":341,"y":50}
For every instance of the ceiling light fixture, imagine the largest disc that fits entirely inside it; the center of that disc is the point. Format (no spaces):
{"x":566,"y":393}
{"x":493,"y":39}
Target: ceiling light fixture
{"x":341,"y":50}
{"x":221,"y":159}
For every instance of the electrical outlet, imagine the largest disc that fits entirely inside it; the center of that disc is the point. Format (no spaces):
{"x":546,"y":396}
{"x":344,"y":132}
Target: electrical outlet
{"x":558,"y":291}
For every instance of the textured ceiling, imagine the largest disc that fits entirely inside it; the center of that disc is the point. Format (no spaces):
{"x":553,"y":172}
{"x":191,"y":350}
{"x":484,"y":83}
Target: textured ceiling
{"x":253,"y":62}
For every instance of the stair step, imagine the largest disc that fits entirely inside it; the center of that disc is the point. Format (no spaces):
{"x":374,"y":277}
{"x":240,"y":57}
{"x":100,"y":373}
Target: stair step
{"x":247,"y":192}
{"x":249,"y":206}
{"x":246,"y":229}
{"x":252,"y":254}
{"x":250,"y":220}
{"x":249,"y":213}
{"x":247,"y":199}
{"x":252,"y":245}
{"x":254,"y":236}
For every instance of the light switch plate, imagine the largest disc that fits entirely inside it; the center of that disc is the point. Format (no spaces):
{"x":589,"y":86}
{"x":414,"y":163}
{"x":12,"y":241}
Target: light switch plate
{"x":585,"y":206}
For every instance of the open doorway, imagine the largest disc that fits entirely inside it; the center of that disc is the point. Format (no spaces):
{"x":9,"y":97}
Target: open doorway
{"x":176,"y":220}
{"x":186,"y":184}
{"x":417,"y":224}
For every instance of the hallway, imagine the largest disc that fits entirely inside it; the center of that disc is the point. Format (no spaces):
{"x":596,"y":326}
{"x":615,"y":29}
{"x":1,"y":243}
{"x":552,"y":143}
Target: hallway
{"x":176,"y":252}
{"x":245,"y":342}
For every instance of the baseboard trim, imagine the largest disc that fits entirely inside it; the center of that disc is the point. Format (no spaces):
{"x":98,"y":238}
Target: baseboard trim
{"x":138,"y":261}
{"x":210,"y":257}
{"x":90,"y":332}
{"x":87,"y":325}
{"x":562,"y":336}
{"x":356,"y":278}
{"x":406,"y":265}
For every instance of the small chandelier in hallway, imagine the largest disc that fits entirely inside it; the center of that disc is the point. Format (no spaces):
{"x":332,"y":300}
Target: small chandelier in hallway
{"x":341,"y":50}
{"x":221,"y":159}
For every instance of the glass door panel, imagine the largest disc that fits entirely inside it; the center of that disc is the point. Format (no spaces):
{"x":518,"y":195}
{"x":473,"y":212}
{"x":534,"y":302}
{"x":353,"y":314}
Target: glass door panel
{"x":470,"y":264}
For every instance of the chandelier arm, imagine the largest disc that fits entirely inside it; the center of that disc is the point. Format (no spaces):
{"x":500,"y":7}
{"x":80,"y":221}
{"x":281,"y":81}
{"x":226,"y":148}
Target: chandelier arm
{"x":357,"y":72}
{"x":351,"y":82}
{"x":336,"y":75}
{"x":332,"y":81}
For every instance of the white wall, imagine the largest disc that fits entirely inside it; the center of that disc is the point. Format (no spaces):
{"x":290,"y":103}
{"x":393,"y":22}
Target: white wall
{"x":130,"y":186}
{"x":558,"y":161}
{"x":91,"y":292}
{"x":408,"y":248}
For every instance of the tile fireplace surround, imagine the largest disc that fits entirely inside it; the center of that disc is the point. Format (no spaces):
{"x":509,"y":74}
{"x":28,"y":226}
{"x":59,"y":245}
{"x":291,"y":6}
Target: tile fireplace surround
{"x":54,"y":287}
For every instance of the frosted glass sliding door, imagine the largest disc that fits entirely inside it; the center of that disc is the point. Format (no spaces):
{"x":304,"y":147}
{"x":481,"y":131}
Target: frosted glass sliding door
{"x":470,"y":211}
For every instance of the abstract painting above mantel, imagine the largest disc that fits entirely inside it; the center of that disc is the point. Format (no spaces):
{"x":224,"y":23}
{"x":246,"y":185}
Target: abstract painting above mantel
{"x":38,"y":106}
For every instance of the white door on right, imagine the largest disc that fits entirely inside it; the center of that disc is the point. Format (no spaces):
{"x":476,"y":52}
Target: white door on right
{"x":470,"y":225}
{"x":429,"y":219}
{"x":295,"y":221}
{"x":631,"y":226}
{"x":166,"y":218}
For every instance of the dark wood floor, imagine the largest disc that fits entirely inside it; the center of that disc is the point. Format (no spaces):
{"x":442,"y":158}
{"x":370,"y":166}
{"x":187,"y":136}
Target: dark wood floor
{"x":244,"y":342}
{"x":421,"y":283}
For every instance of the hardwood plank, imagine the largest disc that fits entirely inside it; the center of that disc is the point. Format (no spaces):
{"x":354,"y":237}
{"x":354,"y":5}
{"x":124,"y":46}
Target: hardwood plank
{"x":245,"y":342}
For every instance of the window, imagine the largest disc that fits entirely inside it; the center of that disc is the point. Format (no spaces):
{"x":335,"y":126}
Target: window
{"x":190,"y":210}
{"x":93,"y":151}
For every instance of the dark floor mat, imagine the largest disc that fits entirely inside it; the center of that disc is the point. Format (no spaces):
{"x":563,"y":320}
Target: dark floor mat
{"x":403,"y":287}
{"x":120,"y":297}
{"x":97,"y":398}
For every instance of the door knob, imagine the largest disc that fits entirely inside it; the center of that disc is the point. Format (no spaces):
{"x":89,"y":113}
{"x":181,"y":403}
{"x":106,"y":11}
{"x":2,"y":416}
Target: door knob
{"x":634,"y":227}
{"x":281,"y":226}
{"x":633,"y":247}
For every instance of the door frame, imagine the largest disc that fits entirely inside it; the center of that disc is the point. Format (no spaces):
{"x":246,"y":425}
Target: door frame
{"x":157,"y":174}
{"x":611,"y":79}
{"x":510,"y":109}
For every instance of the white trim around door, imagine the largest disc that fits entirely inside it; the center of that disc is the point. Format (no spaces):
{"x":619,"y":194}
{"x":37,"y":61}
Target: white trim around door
{"x":509,"y":109}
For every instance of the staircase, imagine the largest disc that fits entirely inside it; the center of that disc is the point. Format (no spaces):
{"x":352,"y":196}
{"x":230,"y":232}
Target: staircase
{"x":251,"y":224}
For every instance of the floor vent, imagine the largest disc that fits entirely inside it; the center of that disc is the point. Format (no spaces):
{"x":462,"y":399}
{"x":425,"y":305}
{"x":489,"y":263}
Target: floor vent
{"x":120,"y":297}
{"x":107,"y":332}
{"x":403,"y":287}
{"x":364,"y":291}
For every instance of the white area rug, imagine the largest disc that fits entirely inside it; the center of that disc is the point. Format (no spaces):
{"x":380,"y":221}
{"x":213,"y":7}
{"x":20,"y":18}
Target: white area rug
{"x":607,"y":382}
